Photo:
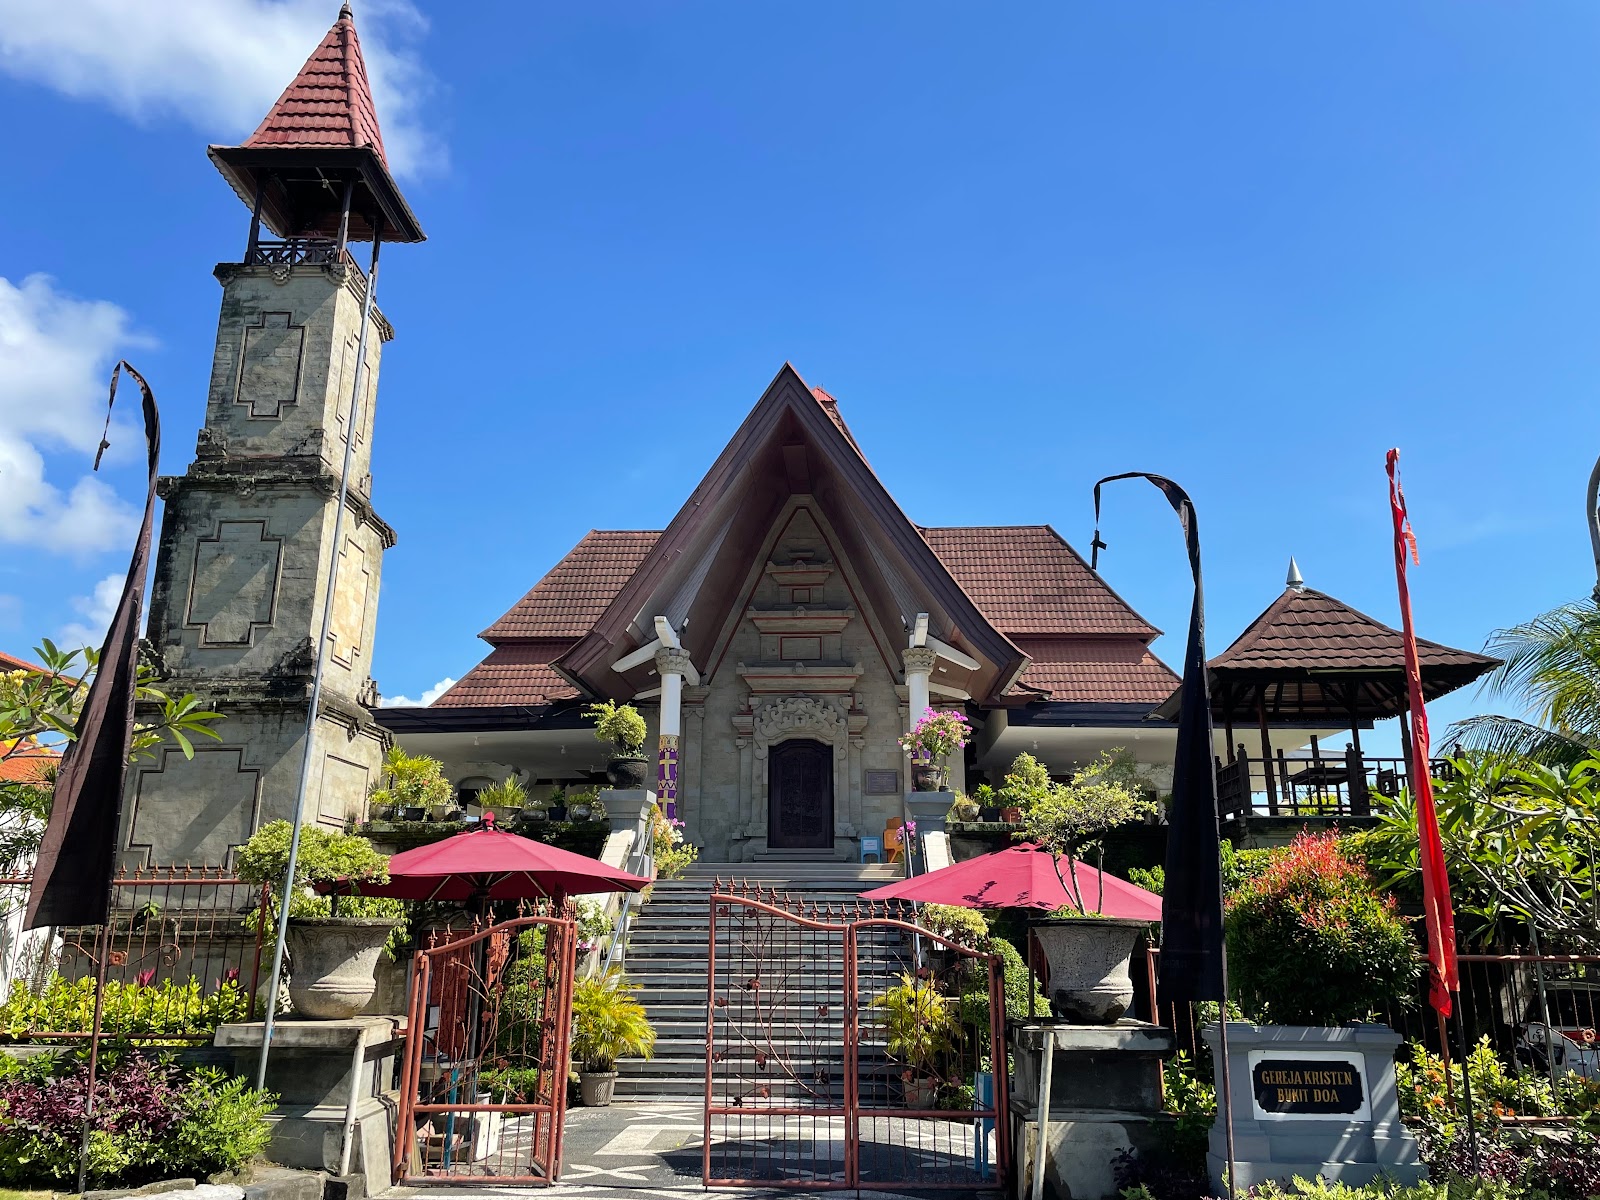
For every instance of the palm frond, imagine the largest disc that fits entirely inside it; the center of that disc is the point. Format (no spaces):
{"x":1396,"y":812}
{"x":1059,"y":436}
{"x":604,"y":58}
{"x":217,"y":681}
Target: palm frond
{"x":1510,"y":738}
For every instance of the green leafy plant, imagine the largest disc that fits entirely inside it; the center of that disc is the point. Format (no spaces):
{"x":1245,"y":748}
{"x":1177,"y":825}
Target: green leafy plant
{"x":593,"y":923}
{"x":1193,"y":1105}
{"x":974,"y":1004}
{"x":158,"y":1012}
{"x":1311,"y":943}
{"x":1069,"y":819}
{"x":412,"y":781}
{"x":504,"y":797}
{"x":920,"y":1024}
{"x":1522,"y":841}
{"x":323,"y":858}
{"x":511,"y":1085}
{"x":152,"y":1121}
{"x":39,"y":715}
{"x":608,"y":1022}
{"x":937,"y":735}
{"x":620,"y":726}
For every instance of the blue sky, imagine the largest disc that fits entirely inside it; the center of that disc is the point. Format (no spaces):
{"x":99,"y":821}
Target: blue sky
{"x":1249,"y":246}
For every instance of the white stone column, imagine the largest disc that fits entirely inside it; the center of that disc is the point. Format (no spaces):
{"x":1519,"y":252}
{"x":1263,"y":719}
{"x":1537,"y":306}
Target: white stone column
{"x":919,"y":662}
{"x":672,"y":665}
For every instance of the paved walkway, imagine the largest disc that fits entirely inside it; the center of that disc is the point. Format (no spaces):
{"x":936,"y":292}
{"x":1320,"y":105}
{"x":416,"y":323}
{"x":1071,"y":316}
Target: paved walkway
{"x":629,"y":1150}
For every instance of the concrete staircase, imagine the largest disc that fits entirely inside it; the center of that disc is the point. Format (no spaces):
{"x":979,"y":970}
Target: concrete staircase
{"x":667,"y":957}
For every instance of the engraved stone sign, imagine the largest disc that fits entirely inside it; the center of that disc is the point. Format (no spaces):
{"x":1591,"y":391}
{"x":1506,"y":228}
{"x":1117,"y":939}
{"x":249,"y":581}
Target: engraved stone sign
{"x":233,"y":585}
{"x":1294,"y":1086}
{"x":269,"y":365}
{"x":882,"y":783}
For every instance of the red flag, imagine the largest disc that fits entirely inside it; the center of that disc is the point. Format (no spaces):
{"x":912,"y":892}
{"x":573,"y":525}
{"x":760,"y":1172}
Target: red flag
{"x":1437,"y":911}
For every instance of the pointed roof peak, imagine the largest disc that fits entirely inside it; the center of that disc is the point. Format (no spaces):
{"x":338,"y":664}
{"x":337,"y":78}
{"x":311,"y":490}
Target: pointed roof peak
{"x":329,"y":103}
{"x":1295,"y":580}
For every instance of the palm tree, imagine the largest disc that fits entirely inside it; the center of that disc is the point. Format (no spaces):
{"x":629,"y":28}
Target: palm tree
{"x":1552,"y":664}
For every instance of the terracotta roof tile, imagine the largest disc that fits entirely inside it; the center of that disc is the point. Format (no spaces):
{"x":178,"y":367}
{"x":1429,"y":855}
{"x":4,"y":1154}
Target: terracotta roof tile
{"x":573,"y":593}
{"x":831,"y":407}
{"x":516,"y":673}
{"x":1312,"y":631}
{"x":1027,"y":579}
{"x":1110,"y":670}
{"x":27,"y":766}
{"x":330,"y":101}
{"x":9,"y":662}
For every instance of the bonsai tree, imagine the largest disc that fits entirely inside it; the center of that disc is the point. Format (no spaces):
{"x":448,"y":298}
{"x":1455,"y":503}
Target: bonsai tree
{"x":920,"y":1025}
{"x":1310,"y":941}
{"x":620,"y":726}
{"x":937,"y":735}
{"x":410,"y":781}
{"x":323,"y":858}
{"x":1070,"y":819}
{"x":608,"y":1023}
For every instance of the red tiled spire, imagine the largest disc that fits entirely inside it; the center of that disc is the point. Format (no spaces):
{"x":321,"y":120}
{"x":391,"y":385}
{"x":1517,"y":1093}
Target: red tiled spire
{"x":329,"y":104}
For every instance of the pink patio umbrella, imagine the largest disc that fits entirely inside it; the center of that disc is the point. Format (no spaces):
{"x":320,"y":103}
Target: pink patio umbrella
{"x":1022,"y":877}
{"x":489,"y":863}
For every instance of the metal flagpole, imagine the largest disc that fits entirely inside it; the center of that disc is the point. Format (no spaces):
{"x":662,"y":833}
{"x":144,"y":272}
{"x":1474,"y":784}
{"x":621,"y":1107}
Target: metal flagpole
{"x":320,"y":660}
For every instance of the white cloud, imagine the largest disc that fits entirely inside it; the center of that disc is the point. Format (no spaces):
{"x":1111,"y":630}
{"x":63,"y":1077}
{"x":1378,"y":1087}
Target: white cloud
{"x":96,"y":611}
{"x":55,"y":354}
{"x":217,"y":64}
{"x":428,"y":697}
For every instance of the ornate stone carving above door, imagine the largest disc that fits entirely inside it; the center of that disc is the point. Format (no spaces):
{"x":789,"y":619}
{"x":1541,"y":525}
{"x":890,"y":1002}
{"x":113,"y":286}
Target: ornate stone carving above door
{"x":826,"y":719}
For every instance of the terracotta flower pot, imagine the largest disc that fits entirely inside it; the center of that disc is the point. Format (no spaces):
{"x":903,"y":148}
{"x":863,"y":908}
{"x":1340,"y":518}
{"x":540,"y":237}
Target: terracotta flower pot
{"x":628,"y":773}
{"x":1088,"y":957}
{"x":597,"y":1087}
{"x":1011,"y":816}
{"x":333,"y":964}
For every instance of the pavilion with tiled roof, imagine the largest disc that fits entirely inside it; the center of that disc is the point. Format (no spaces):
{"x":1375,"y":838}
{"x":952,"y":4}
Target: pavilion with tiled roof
{"x":791,"y":600}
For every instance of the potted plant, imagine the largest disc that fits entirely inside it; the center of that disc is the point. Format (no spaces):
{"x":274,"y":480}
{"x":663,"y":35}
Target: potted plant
{"x":608,"y":1023}
{"x":965,"y":808}
{"x":506,"y":800}
{"x":937,"y":734}
{"x":622,"y":728}
{"x":1088,"y":954}
{"x":410,"y":786}
{"x":988,"y":807}
{"x":556,"y":803}
{"x":920,"y":1027}
{"x":333,"y":951}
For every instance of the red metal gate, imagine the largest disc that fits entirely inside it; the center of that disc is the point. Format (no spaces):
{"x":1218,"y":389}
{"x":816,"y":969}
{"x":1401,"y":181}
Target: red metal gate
{"x":484,"y":1086}
{"x":847,"y":1047}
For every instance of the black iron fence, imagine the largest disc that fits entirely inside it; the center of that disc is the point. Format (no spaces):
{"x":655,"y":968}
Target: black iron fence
{"x":183,"y":955}
{"x":1312,"y":783}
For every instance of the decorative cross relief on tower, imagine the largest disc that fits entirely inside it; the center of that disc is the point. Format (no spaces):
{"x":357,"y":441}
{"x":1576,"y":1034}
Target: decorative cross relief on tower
{"x":248,"y":537}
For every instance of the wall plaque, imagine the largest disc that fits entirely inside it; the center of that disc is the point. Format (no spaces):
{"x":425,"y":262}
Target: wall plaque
{"x":882,"y":783}
{"x":1308,"y":1084}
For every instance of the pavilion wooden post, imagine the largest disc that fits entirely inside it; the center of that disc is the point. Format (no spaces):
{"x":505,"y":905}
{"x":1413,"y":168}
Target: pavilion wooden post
{"x":1405,"y":746}
{"x":1266,"y":752}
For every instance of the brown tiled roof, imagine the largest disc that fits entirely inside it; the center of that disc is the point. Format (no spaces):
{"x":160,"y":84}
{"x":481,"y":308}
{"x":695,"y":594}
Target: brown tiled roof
{"x":9,"y":662}
{"x":831,"y":407}
{"x":1089,"y":669}
{"x":572,"y":595}
{"x":27,"y":765}
{"x":518,"y":672}
{"x":1027,"y":579}
{"x":329,"y":103}
{"x":1310,"y":630}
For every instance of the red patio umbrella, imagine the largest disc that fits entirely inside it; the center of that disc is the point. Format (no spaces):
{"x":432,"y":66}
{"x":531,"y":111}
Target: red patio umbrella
{"x":488,"y":863}
{"x":1021,"y":877}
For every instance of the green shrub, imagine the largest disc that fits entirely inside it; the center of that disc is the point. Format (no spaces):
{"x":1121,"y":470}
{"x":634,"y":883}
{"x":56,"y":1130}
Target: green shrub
{"x":620,"y":726}
{"x":975,"y":1000}
{"x":160,"y":1011}
{"x":323,"y":857}
{"x":1311,"y":943}
{"x":1456,"y":1187}
{"x":152,"y":1121}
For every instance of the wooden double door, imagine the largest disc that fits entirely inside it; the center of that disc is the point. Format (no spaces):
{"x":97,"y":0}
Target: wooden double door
{"x":800,"y":795}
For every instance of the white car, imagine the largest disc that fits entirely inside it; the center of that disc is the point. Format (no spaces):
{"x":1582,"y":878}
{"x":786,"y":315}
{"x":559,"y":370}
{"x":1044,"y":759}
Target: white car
{"x":1570,"y":1040}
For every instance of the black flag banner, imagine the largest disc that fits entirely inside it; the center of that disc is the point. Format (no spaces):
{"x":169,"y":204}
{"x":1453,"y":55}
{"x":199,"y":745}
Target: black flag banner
{"x":72,"y":878}
{"x":1192,"y":962}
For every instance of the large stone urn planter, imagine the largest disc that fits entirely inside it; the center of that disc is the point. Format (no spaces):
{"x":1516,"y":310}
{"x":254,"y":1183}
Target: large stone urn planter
{"x":1088,"y":957}
{"x":628,"y":772}
{"x":333,"y":964}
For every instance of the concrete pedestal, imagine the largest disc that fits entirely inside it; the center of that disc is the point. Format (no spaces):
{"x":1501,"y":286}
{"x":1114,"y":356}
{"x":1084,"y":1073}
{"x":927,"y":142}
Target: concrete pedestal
{"x":930,"y":810}
{"x":1105,"y":1098}
{"x":1278,"y":1069}
{"x":311,"y":1069}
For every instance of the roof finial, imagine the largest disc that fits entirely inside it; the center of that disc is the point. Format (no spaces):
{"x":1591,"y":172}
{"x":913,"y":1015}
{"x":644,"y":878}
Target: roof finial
{"x":1294,"y":580}
{"x":344,"y":12}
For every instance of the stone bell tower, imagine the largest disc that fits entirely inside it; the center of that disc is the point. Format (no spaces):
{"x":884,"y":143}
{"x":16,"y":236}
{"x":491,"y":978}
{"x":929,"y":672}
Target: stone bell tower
{"x":253,"y":530}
